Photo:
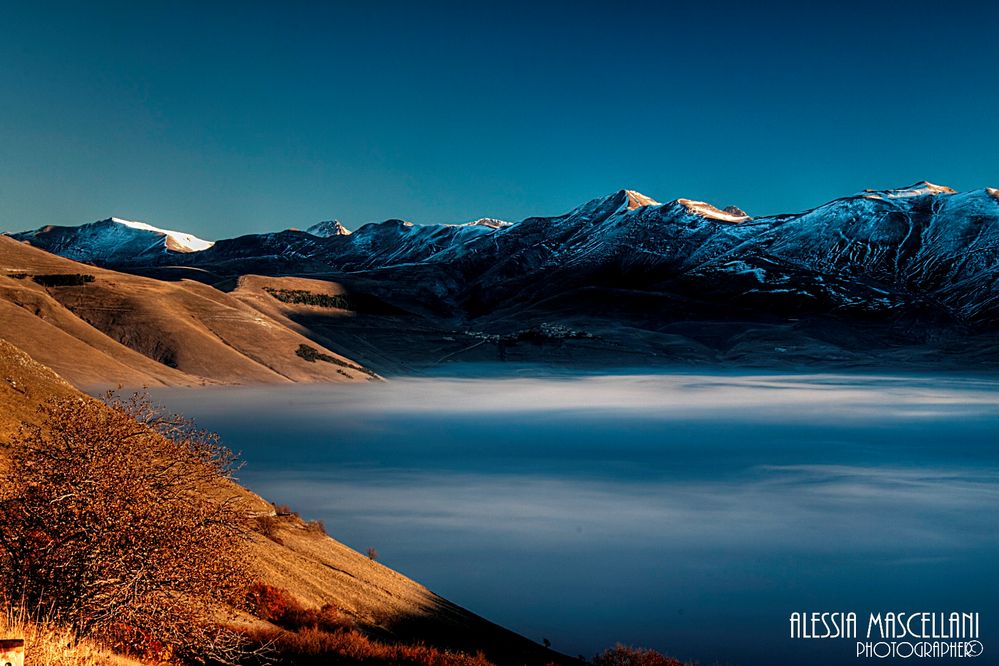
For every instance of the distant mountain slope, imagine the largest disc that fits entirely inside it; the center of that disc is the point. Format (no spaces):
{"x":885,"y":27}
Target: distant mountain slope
{"x":114,"y":241}
{"x":120,"y":328}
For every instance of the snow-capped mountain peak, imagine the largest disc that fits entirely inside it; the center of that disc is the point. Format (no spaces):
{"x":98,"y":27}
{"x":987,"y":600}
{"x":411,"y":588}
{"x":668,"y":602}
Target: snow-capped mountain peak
{"x":619,"y":202}
{"x":328,"y":229}
{"x":638,"y":200}
{"x":177,"y":241}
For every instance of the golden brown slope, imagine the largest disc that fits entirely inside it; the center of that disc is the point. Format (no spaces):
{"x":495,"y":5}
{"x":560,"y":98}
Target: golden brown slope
{"x":131,"y":330}
{"x":258,"y":291}
{"x":25,"y":384}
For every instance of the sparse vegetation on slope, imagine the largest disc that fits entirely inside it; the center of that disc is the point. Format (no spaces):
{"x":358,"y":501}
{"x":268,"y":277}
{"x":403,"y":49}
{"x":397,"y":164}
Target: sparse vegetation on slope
{"x":303,"y":297}
{"x":55,"y":279}
{"x":311,"y":354}
{"x":63,"y":279}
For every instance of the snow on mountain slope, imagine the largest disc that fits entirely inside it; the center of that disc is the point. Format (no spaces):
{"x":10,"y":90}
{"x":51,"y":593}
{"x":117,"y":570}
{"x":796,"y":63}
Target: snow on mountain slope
{"x":922,"y":188}
{"x":931,"y":246}
{"x":922,"y":236}
{"x":885,"y":253}
{"x":602,"y":207}
{"x":489,"y":222}
{"x":710,"y":212}
{"x":395,"y":242}
{"x":586,"y":233}
{"x":114,"y":241}
{"x":177,"y":241}
{"x":638,"y":200}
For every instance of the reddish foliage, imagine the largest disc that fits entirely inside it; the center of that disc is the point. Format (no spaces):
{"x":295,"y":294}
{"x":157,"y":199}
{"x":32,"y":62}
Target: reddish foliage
{"x":347,"y":646}
{"x":127,"y":639}
{"x":270,"y":603}
{"x":624,"y":655}
{"x":277,"y":606}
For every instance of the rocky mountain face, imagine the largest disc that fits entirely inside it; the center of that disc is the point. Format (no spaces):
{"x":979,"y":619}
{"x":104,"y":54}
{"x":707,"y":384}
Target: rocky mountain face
{"x":920,"y":258}
{"x":328,"y":228}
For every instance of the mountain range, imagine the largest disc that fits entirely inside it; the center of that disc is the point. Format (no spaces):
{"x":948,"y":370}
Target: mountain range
{"x":896,"y":276}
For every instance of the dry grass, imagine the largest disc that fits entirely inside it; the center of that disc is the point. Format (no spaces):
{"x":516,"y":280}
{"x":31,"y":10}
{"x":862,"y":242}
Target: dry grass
{"x":24,"y":384}
{"x":46,"y":644}
{"x":325,"y":635}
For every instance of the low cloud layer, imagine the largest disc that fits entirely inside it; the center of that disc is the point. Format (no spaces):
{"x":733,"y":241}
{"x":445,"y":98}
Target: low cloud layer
{"x":639,"y":508}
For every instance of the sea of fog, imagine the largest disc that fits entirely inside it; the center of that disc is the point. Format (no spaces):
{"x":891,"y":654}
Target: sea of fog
{"x":691,"y":513}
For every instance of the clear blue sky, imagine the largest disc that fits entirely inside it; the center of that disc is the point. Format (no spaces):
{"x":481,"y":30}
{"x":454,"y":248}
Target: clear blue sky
{"x":236,"y":117}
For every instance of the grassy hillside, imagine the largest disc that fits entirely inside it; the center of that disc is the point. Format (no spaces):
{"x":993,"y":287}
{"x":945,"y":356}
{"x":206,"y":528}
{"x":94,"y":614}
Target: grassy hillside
{"x":109,"y":328}
{"x":25,"y":384}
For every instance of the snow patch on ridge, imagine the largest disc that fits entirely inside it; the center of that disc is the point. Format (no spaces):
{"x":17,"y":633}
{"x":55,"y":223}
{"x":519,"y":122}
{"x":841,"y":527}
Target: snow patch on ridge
{"x":920,"y":189}
{"x":708,"y":211}
{"x":489,"y":222}
{"x":639,"y":200}
{"x":177,"y":241}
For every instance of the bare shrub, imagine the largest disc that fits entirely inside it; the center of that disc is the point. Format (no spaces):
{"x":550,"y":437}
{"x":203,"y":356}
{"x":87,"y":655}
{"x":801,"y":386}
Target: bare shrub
{"x":283,"y":510}
{"x":316,"y":527}
{"x":372,"y":554}
{"x":124,"y":527}
{"x":268,"y":526}
{"x":624,"y":655}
